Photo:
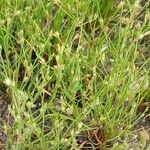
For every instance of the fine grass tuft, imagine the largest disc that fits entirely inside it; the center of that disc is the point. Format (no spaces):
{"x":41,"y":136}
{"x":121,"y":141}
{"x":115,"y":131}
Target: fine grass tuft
{"x":73,"y":74}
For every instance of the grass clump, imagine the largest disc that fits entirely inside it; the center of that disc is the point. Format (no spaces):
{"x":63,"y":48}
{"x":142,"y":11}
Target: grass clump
{"x":75,"y":72}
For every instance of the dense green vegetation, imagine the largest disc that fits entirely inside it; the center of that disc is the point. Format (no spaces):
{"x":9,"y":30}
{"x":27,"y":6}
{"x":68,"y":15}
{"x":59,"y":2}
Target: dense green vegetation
{"x":73,"y":73}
